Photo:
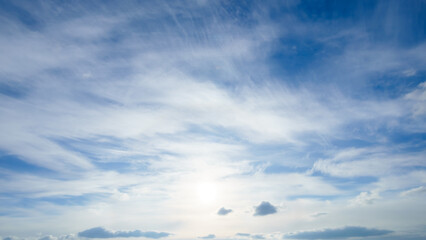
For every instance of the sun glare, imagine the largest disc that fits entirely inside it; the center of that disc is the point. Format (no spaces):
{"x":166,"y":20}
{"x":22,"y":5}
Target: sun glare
{"x":207,"y":192}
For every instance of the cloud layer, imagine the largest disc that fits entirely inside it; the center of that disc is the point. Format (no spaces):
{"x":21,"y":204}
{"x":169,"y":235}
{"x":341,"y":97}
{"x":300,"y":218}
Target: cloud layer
{"x":158,"y":113}
{"x":210,"y":236}
{"x":99,"y":232}
{"x":339,"y":233}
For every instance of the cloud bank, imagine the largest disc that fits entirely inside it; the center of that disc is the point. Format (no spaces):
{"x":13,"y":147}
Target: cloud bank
{"x":210,"y":236}
{"x":339,"y":233}
{"x":100,"y":232}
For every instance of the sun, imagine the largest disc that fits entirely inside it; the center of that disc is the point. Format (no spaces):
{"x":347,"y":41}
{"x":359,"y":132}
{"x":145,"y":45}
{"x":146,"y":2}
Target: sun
{"x":206,"y":192}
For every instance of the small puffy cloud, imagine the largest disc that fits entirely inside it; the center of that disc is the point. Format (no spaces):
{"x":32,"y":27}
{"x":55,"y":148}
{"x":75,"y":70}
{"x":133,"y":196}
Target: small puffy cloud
{"x":99,"y":232}
{"x":223,"y":211}
{"x":265,"y":208}
{"x":365,"y":198}
{"x":210,"y":236}
{"x":338,"y":233}
{"x":414,"y":191}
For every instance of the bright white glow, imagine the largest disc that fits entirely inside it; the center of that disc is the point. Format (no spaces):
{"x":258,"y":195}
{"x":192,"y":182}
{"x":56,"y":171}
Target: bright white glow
{"x":207,"y":192}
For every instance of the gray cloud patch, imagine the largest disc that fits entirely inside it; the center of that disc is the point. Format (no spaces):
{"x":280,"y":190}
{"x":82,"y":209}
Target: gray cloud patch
{"x":319,"y":214}
{"x":210,"y":236}
{"x":223,"y":211}
{"x":258,"y":236}
{"x":414,"y":191}
{"x":339,"y":233}
{"x":48,"y":238}
{"x":9,"y":238}
{"x":265,"y":208}
{"x":99,"y":232}
{"x":243,"y":234}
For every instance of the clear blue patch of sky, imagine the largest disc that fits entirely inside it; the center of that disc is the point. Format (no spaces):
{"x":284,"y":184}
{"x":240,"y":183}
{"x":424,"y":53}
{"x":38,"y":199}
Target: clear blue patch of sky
{"x":11,"y":200}
{"x":13,"y":89}
{"x":400,"y":23}
{"x":391,"y":21}
{"x":240,"y":12}
{"x":16,"y":164}
{"x":62,"y":72}
{"x":277,"y":154}
{"x":351,"y":143}
{"x":12,"y":10}
{"x":69,"y":200}
{"x":300,"y":56}
{"x":348,"y":183}
{"x":392,"y":85}
{"x":401,"y":140}
{"x":318,"y":197}
{"x":296,"y":55}
{"x":90,"y":147}
{"x":286,"y":156}
{"x":126,"y":164}
{"x":214,"y":133}
{"x":276,"y":169}
{"x":323,"y":10}
{"x":407,"y":169}
{"x":372,"y":133}
{"x":88,"y":98}
{"x":408,"y":142}
{"x":171,"y":28}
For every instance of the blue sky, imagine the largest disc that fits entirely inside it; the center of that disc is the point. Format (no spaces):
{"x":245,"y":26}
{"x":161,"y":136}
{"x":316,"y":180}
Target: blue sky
{"x":212,"y":120}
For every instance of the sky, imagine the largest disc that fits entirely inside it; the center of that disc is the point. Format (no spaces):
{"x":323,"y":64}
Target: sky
{"x":199,"y":119}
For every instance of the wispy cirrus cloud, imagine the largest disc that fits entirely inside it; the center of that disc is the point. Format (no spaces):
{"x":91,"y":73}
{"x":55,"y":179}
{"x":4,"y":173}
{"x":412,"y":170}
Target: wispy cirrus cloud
{"x":414,"y":191}
{"x":107,"y":107}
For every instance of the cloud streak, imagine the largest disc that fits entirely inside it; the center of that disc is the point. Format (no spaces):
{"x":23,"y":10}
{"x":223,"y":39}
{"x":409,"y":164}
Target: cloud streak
{"x":106,"y":107}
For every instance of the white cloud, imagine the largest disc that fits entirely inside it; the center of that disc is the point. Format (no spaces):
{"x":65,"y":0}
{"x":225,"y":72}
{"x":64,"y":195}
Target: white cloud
{"x":48,"y":237}
{"x":418,"y":99}
{"x":365,"y":198}
{"x":371,"y":161}
{"x":178,"y":109}
{"x":409,"y":72}
{"x":414,"y":191}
